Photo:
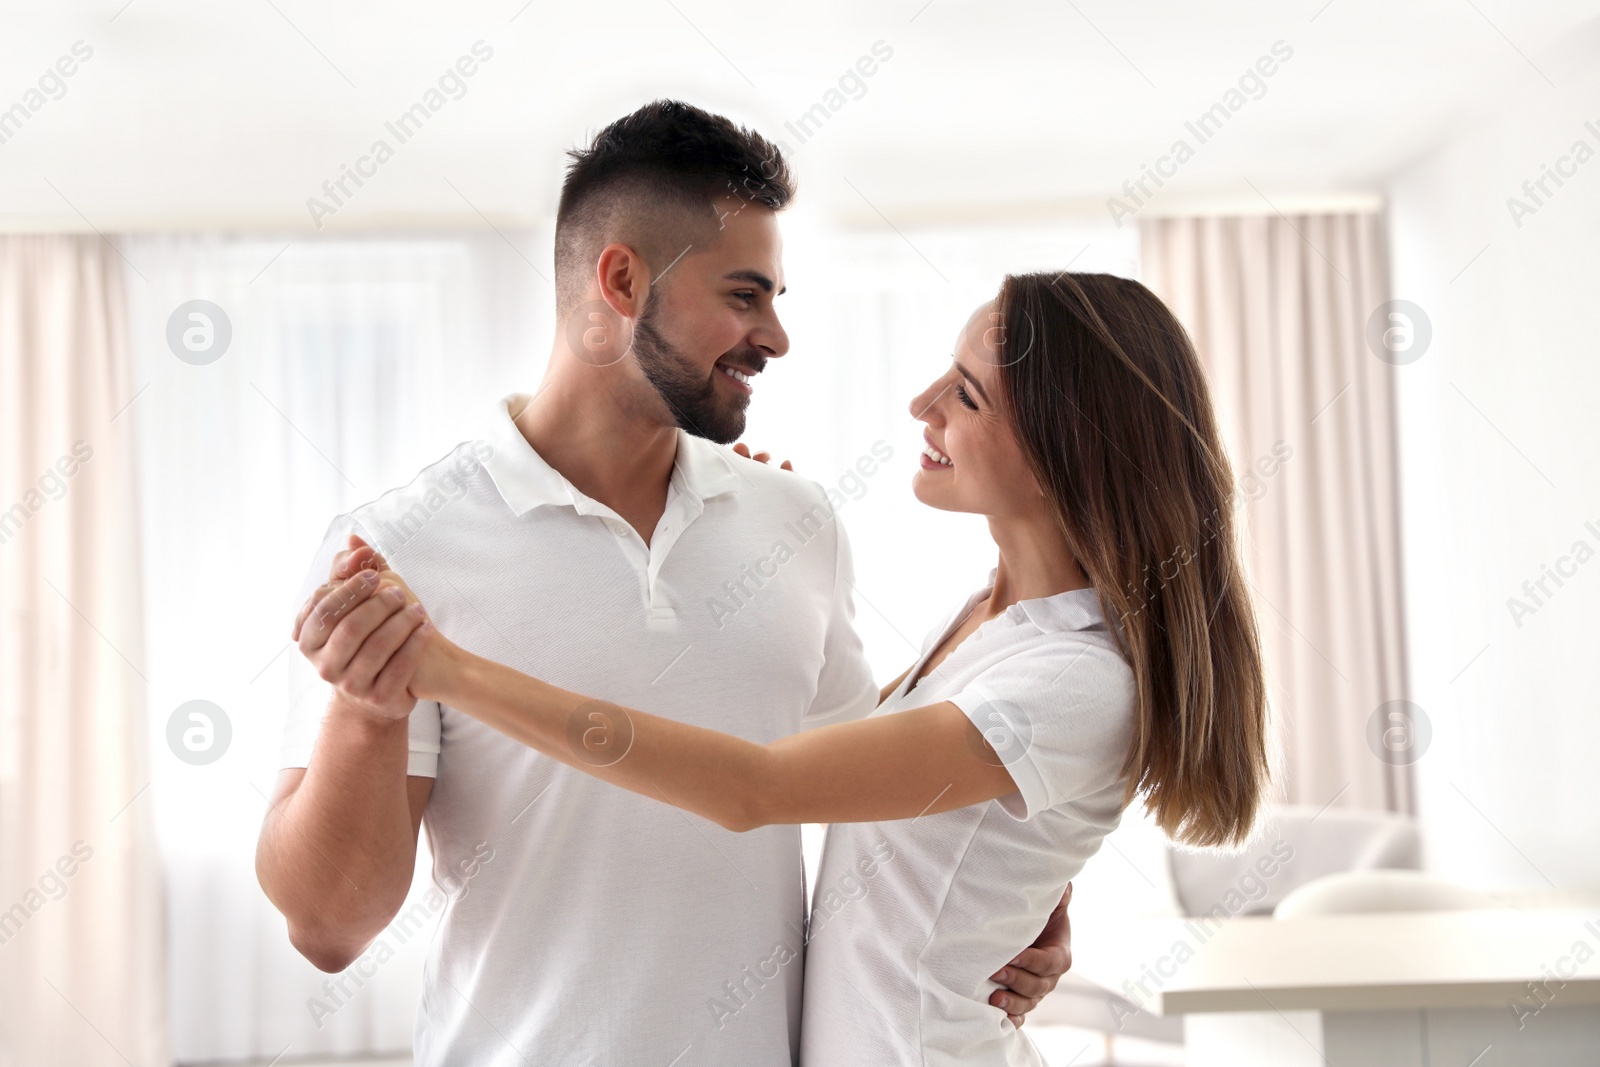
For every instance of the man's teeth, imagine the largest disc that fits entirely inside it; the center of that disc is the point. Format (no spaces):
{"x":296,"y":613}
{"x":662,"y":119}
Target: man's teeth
{"x":937,"y":456}
{"x":736,"y":375}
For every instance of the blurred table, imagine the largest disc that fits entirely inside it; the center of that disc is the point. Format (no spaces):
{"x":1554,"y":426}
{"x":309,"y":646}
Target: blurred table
{"x":1518,"y":985}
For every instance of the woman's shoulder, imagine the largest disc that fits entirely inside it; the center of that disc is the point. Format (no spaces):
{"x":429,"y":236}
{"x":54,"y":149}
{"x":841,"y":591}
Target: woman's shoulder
{"x":1067,"y":665}
{"x":1073,"y":686}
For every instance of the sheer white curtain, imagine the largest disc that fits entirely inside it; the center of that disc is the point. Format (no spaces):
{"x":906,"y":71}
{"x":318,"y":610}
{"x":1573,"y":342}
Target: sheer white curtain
{"x":351,"y":364}
{"x":80,"y":904}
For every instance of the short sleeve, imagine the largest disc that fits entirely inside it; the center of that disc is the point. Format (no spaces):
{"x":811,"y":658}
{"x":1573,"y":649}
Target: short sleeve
{"x":1059,"y":715}
{"x":845,"y":689}
{"x":311,"y":694}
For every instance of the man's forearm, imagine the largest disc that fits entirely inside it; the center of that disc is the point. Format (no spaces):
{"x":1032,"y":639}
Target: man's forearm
{"x":336,"y":855}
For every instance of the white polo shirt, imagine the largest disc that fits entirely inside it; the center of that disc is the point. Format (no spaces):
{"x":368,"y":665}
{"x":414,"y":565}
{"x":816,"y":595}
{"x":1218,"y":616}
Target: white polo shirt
{"x":588,"y":924}
{"x":910,"y":918}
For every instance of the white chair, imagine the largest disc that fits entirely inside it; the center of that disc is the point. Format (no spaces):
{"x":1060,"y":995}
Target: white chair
{"x":1295,"y":845}
{"x":1137,"y":874}
{"x":1365,"y":892}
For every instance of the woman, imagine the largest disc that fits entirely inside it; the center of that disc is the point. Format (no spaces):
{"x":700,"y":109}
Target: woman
{"x":1076,"y":418}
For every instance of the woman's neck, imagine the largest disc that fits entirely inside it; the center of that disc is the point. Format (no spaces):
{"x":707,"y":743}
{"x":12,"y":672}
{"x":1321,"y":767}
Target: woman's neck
{"x":1034,"y":562}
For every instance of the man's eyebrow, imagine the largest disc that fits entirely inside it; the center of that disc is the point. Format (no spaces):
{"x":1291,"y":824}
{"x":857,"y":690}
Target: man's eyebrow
{"x":968,"y":376}
{"x":755,"y":277}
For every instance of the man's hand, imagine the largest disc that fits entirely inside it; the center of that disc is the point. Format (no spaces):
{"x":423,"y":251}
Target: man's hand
{"x":364,"y":640}
{"x":1036,"y":970}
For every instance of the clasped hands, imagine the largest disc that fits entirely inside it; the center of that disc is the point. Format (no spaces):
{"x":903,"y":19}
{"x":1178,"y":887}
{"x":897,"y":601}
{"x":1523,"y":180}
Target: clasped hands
{"x":368,"y":635}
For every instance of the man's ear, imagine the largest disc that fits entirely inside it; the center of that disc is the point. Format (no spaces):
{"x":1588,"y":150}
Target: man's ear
{"x":623,"y":279}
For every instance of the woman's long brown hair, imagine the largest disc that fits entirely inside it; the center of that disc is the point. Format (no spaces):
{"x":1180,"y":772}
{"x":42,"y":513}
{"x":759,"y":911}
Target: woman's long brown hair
{"x":1111,"y":408}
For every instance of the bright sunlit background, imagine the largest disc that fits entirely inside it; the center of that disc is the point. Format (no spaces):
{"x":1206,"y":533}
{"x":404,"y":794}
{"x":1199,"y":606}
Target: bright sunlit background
{"x":1439,"y":152}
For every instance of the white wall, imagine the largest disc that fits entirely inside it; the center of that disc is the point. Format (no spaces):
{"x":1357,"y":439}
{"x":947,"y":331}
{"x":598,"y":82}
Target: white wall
{"x":1499,"y":479}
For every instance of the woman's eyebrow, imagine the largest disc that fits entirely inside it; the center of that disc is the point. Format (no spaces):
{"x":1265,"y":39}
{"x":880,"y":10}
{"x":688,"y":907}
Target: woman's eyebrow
{"x":968,"y":376}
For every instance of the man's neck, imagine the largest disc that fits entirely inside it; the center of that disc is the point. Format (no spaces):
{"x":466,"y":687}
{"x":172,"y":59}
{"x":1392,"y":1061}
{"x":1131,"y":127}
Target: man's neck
{"x":622,"y":458}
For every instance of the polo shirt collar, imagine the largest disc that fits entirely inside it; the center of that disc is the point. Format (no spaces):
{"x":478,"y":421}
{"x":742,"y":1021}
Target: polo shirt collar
{"x":525,"y":481}
{"x":1076,"y":609}
{"x":703,"y":468}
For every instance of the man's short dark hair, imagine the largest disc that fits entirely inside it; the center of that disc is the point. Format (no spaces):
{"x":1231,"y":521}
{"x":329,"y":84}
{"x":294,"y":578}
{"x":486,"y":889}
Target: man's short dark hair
{"x":650,"y":180}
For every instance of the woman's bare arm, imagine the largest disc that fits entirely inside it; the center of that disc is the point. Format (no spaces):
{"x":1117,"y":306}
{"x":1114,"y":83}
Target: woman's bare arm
{"x":922,"y":761}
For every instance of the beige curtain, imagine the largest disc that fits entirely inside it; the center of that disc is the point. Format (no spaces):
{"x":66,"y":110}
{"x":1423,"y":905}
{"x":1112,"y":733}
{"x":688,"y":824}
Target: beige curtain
{"x":81,"y":924}
{"x":1278,"y":308}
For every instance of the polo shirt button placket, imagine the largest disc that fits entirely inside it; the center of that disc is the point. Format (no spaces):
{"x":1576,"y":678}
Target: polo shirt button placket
{"x":660,"y":610}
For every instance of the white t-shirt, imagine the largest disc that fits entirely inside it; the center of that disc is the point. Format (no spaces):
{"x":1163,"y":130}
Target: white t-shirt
{"x":910,"y":918}
{"x":586,"y":923}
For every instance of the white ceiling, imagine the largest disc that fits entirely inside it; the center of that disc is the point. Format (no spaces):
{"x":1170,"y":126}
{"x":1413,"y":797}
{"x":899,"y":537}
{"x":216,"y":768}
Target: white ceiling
{"x":231,"y":113}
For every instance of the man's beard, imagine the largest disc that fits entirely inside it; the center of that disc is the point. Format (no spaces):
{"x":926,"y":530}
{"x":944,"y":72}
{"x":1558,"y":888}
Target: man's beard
{"x":692,"y":399}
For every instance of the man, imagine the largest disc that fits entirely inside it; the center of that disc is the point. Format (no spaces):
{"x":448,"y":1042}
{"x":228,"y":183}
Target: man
{"x":596,"y":538}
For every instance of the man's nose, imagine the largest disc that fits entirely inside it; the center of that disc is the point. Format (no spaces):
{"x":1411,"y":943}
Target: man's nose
{"x":771,"y":339}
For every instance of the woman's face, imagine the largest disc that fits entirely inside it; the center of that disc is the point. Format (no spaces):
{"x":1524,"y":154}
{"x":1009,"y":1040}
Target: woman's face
{"x":972,"y":461}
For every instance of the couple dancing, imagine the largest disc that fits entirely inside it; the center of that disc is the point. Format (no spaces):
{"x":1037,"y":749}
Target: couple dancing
{"x":613,"y":776}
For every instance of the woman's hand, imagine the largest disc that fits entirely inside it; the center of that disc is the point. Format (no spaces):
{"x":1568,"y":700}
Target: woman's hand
{"x":1033,"y":974}
{"x":367,"y":634}
{"x":434,"y":664}
{"x":760,"y":457}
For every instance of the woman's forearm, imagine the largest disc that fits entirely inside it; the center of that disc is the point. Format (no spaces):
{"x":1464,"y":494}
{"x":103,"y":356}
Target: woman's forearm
{"x":712,"y":774}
